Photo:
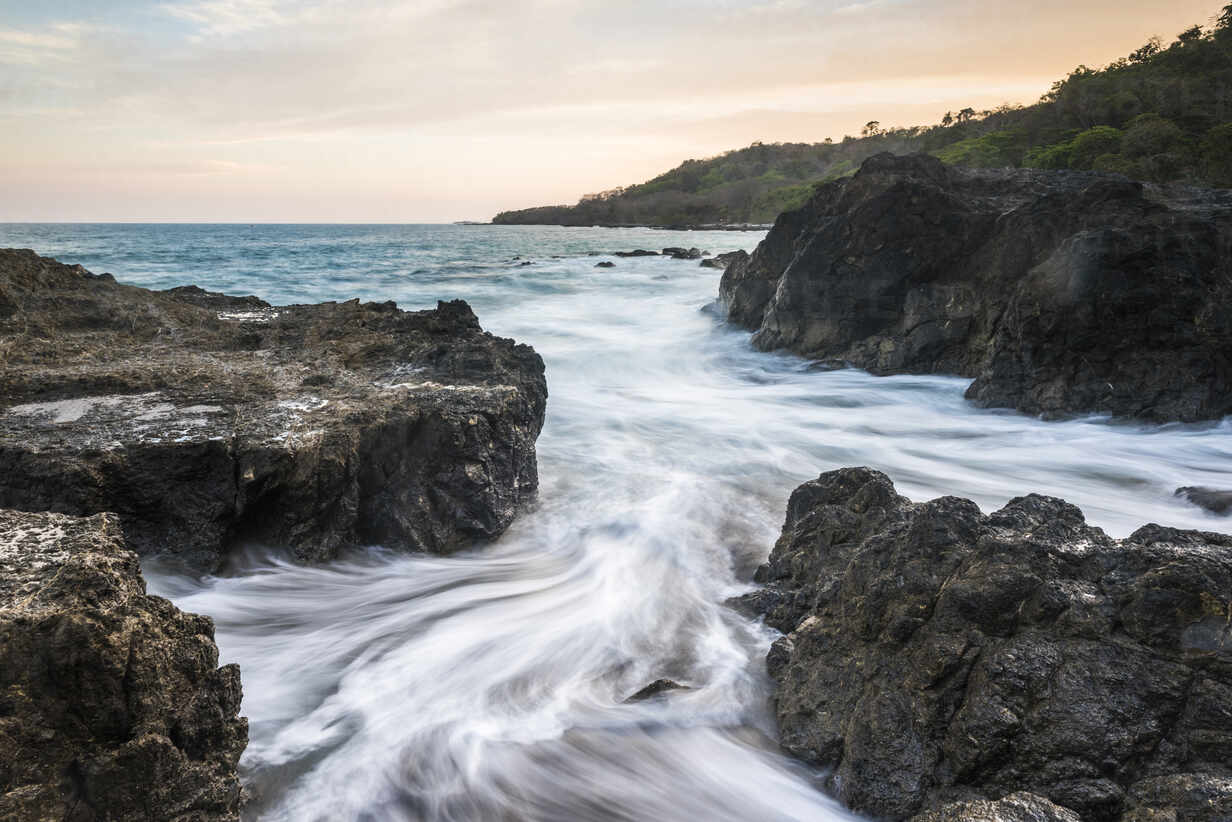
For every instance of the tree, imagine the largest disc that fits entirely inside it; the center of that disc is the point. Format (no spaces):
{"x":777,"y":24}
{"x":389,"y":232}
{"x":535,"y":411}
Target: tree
{"x":871,"y":129}
{"x":1224,"y":21}
{"x":948,"y":119}
{"x":1152,"y":47}
{"x":1190,"y":35}
{"x":966,"y":115}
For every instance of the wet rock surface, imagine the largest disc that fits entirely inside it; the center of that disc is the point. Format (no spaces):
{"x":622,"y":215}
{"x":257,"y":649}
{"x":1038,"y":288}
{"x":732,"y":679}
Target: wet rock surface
{"x":1059,"y":292}
{"x":656,"y":688}
{"x":112,"y":704}
{"x":1215,"y":500}
{"x":934,"y":654}
{"x":204,"y":420}
{"x":723,"y":260}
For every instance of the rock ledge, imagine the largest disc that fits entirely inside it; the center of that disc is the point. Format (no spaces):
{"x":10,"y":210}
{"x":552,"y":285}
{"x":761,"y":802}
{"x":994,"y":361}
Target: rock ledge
{"x":203,"y":420}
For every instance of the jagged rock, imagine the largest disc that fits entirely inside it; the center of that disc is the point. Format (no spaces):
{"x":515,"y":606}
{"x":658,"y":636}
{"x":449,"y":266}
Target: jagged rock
{"x":655,"y":688}
{"x":933,"y":653}
{"x":723,"y":260}
{"x":112,"y":704}
{"x":682,"y":253}
{"x":1212,"y":499}
{"x":1186,"y":797}
{"x":641,"y":252}
{"x":1017,"y":807}
{"x":1059,"y":292}
{"x":203,"y":420}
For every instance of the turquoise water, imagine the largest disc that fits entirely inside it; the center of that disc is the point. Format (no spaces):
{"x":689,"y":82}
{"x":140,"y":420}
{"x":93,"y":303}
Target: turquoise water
{"x":491,"y":685}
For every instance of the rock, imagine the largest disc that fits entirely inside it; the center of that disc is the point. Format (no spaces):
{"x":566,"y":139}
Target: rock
{"x":112,"y":704}
{"x":655,"y":688}
{"x":1059,"y":292}
{"x":723,"y":260}
{"x":934,"y":654}
{"x":682,"y":253}
{"x":638,"y":253}
{"x":1180,"y":798}
{"x":1212,"y":499}
{"x":1017,"y":807}
{"x":204,"y":420}
{"x":605,"y":264}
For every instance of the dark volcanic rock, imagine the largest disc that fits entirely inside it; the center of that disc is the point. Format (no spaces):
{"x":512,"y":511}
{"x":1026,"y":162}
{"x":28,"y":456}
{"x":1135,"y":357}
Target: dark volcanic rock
{"x":1017,"y":807}
{"x":1212,"y":499}
{"x":655,"y":688}
{"x":641,"y":252}
{"x":1058,"y":291}
{"x":935,"y":654}
{"x":677,"y":253}
{"x":202,"y":420}
{"x":605,"y":264}
{"x":112,"y":704}
{"x":723,"y":260}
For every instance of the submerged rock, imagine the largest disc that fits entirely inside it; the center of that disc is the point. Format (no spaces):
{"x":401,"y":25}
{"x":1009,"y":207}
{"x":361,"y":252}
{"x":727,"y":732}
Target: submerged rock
{"x":112,"y":704}
{"x":1212,"y":499}
{"x":605,"y":264}
{"x":659,"y":686}
{"x":641,"y":252}
{"x":203,"y":420}
{"x":677,"y":253}
{"x":936,"y":654}
{"x":723,"y":260}
{"x":1059,"y":292}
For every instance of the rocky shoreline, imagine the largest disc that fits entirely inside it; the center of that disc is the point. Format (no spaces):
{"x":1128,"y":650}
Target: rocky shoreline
{"x":204,"y":420}
{"x":1058,"y":292}
{"x":112,"y":704}
{"x":938,"y":660}
{"x":184,"y":423}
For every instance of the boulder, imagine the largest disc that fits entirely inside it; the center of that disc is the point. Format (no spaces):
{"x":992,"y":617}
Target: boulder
{"x":1059,"y":292}
{"x":605,"y":264}
{"x":112,"y":704}
{"x":641,"y":252}
{"x":935,"y":654}
{"x":204,"y":420}
{"x":683,"y":253}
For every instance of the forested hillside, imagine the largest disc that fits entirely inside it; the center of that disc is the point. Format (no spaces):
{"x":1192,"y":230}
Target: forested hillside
{"x":1162,"y":114}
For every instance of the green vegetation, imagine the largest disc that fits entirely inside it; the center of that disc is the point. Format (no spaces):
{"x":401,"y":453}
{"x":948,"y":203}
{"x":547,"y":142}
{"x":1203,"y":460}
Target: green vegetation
{"x":1162,"y":114}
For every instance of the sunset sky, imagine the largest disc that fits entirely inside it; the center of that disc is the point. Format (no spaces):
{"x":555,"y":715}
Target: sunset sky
{"x":438,"y":110}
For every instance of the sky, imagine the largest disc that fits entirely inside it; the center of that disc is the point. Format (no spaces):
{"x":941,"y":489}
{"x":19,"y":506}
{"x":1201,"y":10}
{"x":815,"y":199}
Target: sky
{"x":441,"y":110}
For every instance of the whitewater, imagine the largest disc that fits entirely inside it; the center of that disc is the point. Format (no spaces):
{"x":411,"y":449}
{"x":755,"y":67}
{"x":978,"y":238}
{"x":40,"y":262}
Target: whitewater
{"x":492,"y":684}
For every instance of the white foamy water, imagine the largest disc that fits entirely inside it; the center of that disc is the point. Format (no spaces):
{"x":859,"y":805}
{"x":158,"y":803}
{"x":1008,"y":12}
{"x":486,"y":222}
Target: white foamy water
{"x":491,"y":685}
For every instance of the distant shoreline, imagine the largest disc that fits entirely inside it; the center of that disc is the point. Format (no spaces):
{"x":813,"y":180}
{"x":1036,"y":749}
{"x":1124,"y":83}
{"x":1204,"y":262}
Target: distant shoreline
{"x":701,"y":227}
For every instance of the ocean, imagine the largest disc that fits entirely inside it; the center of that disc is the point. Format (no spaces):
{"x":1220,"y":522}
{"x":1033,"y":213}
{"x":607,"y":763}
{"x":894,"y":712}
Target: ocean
{"x":492,"y":684}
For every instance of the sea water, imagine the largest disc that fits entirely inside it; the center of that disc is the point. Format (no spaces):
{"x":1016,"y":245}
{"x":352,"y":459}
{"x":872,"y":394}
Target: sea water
{"x":491,"y":685}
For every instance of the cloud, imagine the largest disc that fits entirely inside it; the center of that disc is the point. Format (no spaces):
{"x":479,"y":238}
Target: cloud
{"x":267,"y":91}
